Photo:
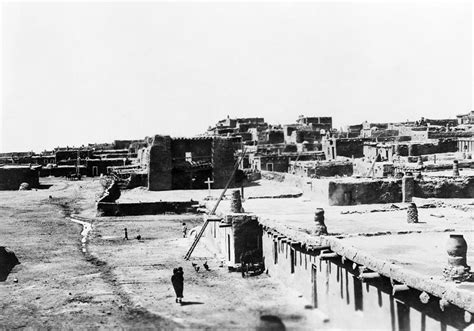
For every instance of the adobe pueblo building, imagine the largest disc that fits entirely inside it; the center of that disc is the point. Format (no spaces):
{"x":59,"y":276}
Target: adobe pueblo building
{"x":188,"y":163}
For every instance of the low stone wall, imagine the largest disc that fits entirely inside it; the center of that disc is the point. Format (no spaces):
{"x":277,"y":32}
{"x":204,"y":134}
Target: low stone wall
{"x":145,"y":208}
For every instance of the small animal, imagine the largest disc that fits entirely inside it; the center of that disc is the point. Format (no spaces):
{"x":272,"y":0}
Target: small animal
{"x":139,"y":237}
{"x":195,"y":266}
{"x":206,"y":266}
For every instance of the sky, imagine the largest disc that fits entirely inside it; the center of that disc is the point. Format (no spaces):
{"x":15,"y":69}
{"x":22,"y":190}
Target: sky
{"x":75,"y":72}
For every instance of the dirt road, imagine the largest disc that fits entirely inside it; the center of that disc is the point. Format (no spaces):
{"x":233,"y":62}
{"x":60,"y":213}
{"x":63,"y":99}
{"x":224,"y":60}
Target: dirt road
{"x":119,"y":283}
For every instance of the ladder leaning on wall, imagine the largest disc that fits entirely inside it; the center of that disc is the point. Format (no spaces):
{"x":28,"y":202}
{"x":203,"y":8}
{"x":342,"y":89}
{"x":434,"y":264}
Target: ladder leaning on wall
{"x":213,"y":211}
{"x":372,"y":169}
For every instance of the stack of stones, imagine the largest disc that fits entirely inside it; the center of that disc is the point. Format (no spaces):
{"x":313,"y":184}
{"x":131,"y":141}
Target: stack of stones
{"x":319,"y":220}
{"x":236,"y":202}
{"x":412,"y":213}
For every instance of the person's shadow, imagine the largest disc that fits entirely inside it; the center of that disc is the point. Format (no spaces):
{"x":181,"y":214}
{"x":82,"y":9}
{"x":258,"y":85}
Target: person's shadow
{"x":187,"y":303}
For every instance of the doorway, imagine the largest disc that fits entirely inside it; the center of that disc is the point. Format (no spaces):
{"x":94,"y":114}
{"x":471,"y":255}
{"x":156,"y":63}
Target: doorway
{"x":314,"y":273}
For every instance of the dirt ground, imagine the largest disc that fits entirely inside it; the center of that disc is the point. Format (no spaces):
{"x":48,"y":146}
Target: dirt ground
{"x":121,"y":283}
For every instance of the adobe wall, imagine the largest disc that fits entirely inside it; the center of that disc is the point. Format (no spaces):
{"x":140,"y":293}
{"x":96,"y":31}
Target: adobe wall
{"x":220,"y":239}
{"x":62,"y":171}
{"x":444,"y":188}
{"x":324,"y":169}
{"x":443,"y":146}
{"x":144,"y":208}
{"x":160,"y":164}
{"x":102,"y":165}
{"x":356,"y":192}
{"x":350,"y":147}
{"x":234,"y":235}
{"x":223,"y":161}
{"x":11,"y":178}
{"x":275,"y":137}
{"x":331,"y":169}
{"x":379,"y":169}
{"x":333,"y":287}
{"x":307,"y":135}
{"x":72,"y":154}
{"x":200,"y":148}
{"x":315,"y":189}
{"x":247,"y":234}
{"x":280,"y":163}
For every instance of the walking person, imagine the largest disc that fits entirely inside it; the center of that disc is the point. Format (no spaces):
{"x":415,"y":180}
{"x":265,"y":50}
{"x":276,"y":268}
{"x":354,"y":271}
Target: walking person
{"x":185,"y":230}
{"x":178,"y":283}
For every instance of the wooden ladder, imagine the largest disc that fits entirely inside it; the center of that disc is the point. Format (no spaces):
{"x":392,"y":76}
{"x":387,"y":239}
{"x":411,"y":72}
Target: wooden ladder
{"x":213,"y":211}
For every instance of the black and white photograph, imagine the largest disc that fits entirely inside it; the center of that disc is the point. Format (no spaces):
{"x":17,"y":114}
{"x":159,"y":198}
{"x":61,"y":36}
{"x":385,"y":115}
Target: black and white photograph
{"x":237,"y":165}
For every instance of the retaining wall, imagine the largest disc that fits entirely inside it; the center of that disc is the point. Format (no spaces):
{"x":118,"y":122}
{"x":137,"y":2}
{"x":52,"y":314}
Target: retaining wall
{"x":144,"y":208}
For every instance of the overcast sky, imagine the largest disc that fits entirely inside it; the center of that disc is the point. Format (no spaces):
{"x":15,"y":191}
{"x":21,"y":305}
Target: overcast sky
{"x":77,"y":73}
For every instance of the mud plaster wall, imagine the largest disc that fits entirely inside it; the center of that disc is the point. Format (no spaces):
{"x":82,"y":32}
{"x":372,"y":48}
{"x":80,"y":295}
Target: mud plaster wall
{"x":220,"y":239}
{"x":144,"y":208}
{"x":316,"y":189}
{"x":62,"y":171}
{"x":10,"y":179}
{"x":445,"y":188}
{"x":72,"y":155}
{"x":367,"y":192}
{"x":390,"y":191}
{"x":380,"y":169}
{"x":102,"y":165}
{"x":247,"y":233}
{"x":443,"y":146}
{"x":275,"y":137}
{"x":350,"y":147}
{"x":331,"y":169}
{"x":201,"y":149}
{"x":223,"y":161}
{"x":307,"y":135}
{"x":280,"y":163}
{"x":334,"y":289}
{"x":159,"y":169}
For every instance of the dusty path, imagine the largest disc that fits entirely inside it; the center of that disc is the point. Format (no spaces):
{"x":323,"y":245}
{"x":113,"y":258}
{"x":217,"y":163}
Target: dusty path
{"x":58,"y":287}
{"x":213,"y":299}
{"x":122,"y":284}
